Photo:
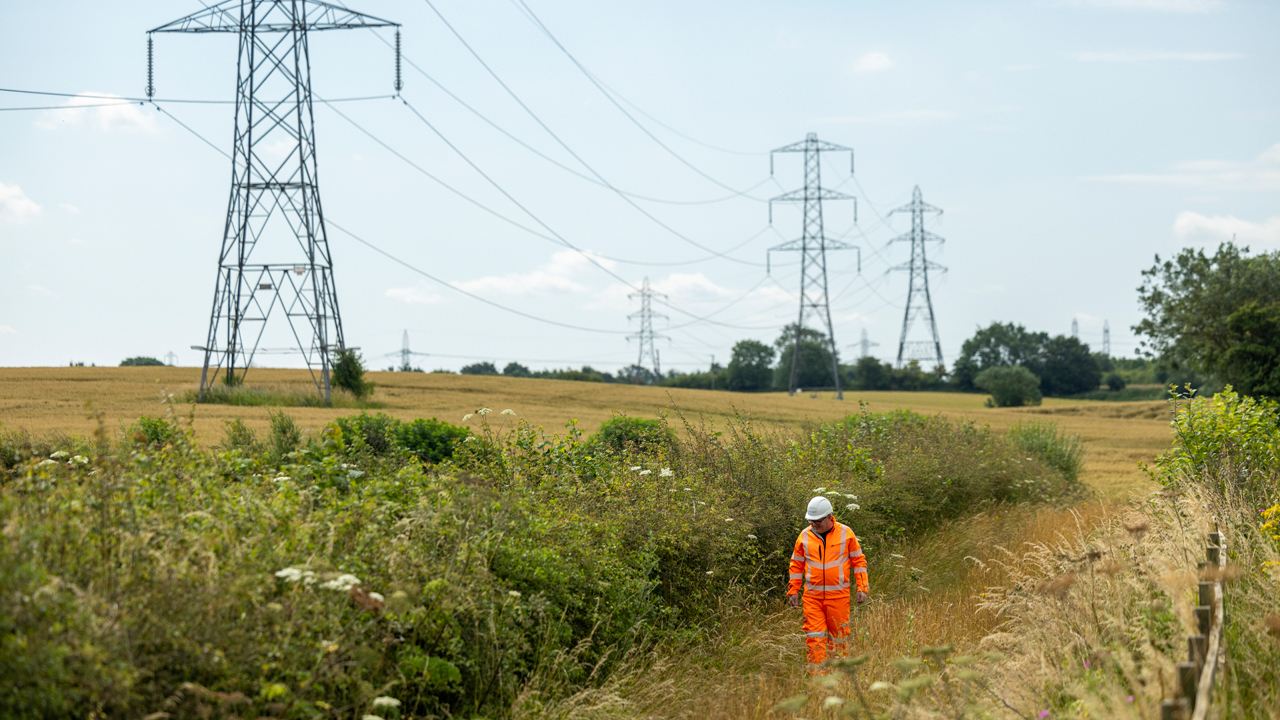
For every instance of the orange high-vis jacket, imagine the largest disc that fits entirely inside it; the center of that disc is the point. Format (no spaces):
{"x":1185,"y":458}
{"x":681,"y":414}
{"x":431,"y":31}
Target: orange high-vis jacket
{"x":825,"y":568}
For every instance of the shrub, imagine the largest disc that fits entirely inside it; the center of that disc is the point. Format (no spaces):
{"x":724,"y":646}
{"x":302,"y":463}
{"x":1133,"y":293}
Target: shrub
{"x":1115,"y":383}
{"x":1060,"y":451}
{"x":153,"y":431}
{"x":430,"y":440}
{"x":286,"y":436}
{"x":1010,"y":386}
{"x":480,"y":368}
{"x":621,"y":432}
{"x":347,"y":372}
{"x":1230,"y":440}
{"x":141,"y":361}
{"x":238,"y":436}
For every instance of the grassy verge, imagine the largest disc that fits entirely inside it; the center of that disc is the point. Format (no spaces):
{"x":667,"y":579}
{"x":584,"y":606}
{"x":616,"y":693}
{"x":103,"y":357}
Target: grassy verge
{"x":266,"y":396}
{"x":338,"y":575}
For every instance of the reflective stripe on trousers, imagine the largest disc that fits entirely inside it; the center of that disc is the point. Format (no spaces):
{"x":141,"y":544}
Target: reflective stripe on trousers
{"x":826,"y":629}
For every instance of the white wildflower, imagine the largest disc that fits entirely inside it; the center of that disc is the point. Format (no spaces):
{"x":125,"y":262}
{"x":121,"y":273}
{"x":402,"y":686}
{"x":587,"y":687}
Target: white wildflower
{"x":308,"y":577}
{"x":854,"y":506}
{"x":896,"y":556}
{"x":832,"y":702}
{"x":80,"y":460}
{"x":42,"y":463}
{"x":634,"y":468}
{"x":371,"y":717}
{"x":687,"y":489}
{"x":508,"y":411}
{"x":282,"y":478}
{"x":484,"y":411}
{"x":385,"y":701}
{"x":701,"y":503}
{"x":378,"y":597}
{"x":819,"y":490}
{"x":665,"y":472}
{"x":467,"y":417}
{"x":881,"y":685}
{"x":645,"y":472}
{"x":342,"y":583}
{"x":710,"y":571}
{"x":470,"y":438}
{"x":514,"y":593}
{"x":751,"y":537}
{"x":851,"y":497}
{"x":728,"y":519}
{"x":289,"y":574}
{"x":60,"y":455}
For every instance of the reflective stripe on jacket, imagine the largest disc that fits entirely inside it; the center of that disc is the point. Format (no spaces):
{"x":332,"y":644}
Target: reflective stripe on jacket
{"x":828,"y":567}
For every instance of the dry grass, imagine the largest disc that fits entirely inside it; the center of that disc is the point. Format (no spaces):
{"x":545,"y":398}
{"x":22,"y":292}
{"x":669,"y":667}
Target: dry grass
{"x":42,"y":400}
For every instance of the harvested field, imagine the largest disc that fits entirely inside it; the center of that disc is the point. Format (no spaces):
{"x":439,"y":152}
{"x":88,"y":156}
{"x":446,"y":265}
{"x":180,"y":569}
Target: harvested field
{"x":43,"y":400}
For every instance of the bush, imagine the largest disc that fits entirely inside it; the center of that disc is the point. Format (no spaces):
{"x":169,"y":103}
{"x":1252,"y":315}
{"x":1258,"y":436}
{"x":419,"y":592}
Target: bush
{"x":1010,"y":386}
{"x":1062,"y":452}
{"x":141,"y":361}
{"x":153,"y":431}
{"x":347,"y":373}
{"x":622,"y":433}
{"x":480,"y":368}
{"x":1115,"y":383}
{"x":429,"y":440}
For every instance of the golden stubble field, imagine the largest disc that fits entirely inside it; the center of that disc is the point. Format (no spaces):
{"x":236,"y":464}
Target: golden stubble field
{"x":43,"y":400}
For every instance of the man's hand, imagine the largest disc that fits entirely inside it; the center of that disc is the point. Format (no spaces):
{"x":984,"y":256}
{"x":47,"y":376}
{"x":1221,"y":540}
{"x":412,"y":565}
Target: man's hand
{"x":862,"y":597}
{"x":794,"y":600}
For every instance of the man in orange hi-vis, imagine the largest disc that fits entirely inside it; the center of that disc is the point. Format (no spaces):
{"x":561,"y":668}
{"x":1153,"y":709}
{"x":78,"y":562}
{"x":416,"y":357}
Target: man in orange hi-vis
{"x":826,"y":557}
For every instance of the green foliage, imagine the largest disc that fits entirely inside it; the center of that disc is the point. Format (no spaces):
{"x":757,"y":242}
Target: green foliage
{"x":1230,"y":442}
{"x":813,"y":358}
{"x":717,"y":380}
{"x":141,"y":361}
{"x":1058,"y":450}
{"x":1009,"y":386}
{"x":997,"y":345}
{"x":515,"y":369}
{"x":430,"y":440}
{"x":1125,"y":394}
{"x":749,"y":367}
{"x":480,"y":368}
{"x":241,"y":395}
{"x":1252,"y":363}
{"x":621,"y":433}
{"x":190,"y":578}
{"x":1189,"y":300}
{"x":347,"y":373}
{"x":1115,"y":382}
{"x":240,"y":437}
{"x":1067,"y":367}
{"x":871,"y":374}
{"x":153,"y":431}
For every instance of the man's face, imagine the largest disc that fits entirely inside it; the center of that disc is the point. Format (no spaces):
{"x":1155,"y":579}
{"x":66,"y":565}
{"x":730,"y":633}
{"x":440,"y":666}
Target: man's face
{"x":823,"y":525}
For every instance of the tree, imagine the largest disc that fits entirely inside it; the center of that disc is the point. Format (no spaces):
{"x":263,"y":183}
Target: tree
{"x":515,"y":369}
{"x":480,"y":368}
{"x":871,"y":374}
{"x":815,"y":362}
{"x":749,"y":367}
{"x":636,"y":375}
{"x":1252,"y":364}
{"x":1114,"y":382}
{"x":1010,"y":386}
{"x":995,"y":345}
{"x":140,"y":361}
{"x":1067,"y":367}
{"x":1189,"y":299}
{"x":347,"y":373}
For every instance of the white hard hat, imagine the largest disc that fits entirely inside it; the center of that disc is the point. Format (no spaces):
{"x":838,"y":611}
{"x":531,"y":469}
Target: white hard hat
{"x":819,"y":508}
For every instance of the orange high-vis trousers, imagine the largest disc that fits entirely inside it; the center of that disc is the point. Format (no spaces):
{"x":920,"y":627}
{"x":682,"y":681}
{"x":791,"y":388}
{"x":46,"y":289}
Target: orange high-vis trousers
{"x":826,"y":628}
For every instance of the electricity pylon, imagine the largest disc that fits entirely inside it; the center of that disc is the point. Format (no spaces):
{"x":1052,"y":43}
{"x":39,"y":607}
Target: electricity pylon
{"x":919,"y":301}
{"x":1075,"y":328}
{"x":865,"y":344}
{"x":1106,"y":338}
{"x":646,"y":335}
{"x":813,"y":246}
{"x":275,"y":250}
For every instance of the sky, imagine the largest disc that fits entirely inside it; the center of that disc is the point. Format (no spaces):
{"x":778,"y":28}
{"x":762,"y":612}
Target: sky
{"x":1067,"y":142}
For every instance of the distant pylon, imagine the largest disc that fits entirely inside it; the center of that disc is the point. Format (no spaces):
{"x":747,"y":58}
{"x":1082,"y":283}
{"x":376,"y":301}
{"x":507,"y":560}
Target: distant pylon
{"x":646,"y":336}
{"x":813,"y":245}
{"x":275,"y":250}
{"x":1106,"y":338}
{"x":171,"y":359}
{"x":1075,"y":328}
{"x":406,"y":363}
{"x":866,"y":344}
{"x":919,"y":301}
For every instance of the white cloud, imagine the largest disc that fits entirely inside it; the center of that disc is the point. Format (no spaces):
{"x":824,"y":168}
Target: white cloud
{"x":1194,"y":226}
{"x":418,"y":294}
{"x":1127,"y":56}
{"x":1262,"y":174}
{"x":7,"y":330}
{"x":1174,"y":6}
{"x":870,"y":64}
{"x":104,"y":115}
{"x":554,"y":276}
{"x":69,"y":209}
{"x":15,"y":206}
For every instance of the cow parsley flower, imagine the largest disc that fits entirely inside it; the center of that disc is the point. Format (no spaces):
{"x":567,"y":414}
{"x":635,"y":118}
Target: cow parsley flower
{"x":514,"y":593}
{"x":60,"y":455}
{"x":508,"y":411}
{"x":342,"y":583}
{"x":819,"y":490}
{"x":634,"y":468}
{"x":289,"y":574}
{"x":80,"y":460}
{"x":645,"y":472}
{"x":751,"y":537}
{"x":467,"y":417}
{"x":665,"y":472}
{"x":378,"y":597}
{"x":854,"y":506}
{"x":484,"y":411}
{"x":385,"y":701}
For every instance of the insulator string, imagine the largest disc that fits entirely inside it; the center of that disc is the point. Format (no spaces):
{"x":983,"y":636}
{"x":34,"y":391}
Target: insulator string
{"x":399,"y":82}
{"x":151,"y":86}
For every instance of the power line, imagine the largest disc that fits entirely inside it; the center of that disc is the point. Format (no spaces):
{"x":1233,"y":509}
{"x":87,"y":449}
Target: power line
{"x":167,"y":100}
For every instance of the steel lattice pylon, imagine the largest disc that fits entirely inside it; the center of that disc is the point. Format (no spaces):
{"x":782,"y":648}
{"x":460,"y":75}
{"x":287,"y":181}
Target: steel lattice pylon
{"x":646,"y":335}
{"x":919,"y":301}
{"x":813,"y":245}
{"x":275,"y":251}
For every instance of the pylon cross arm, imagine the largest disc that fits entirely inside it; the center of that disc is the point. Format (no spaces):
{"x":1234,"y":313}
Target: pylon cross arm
{"x":820,"y":194}
{"x":316,"y":15}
